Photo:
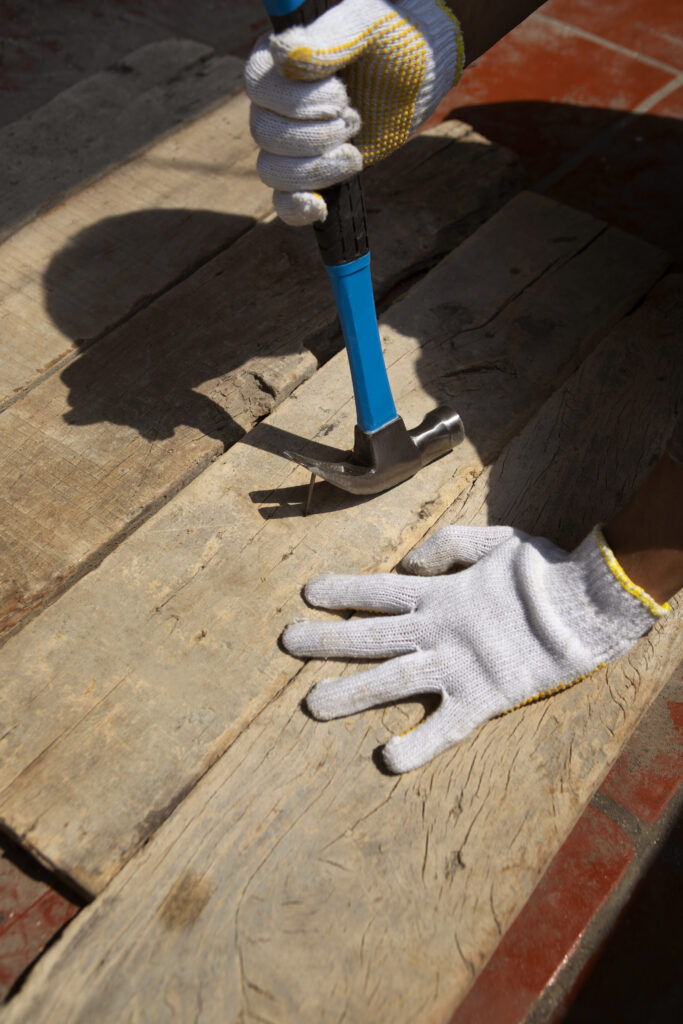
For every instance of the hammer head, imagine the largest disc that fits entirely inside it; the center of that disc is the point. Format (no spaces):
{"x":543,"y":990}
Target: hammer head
{"x":390,"y":455}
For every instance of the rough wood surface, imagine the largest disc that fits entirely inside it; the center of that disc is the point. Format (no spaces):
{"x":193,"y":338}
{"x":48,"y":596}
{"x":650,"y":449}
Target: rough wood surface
{"x":86,"y":264}
{"x":133,"y":418}
{"x":105,"y":119}
{"x":297,"y":882}
{"x":121,"y":694}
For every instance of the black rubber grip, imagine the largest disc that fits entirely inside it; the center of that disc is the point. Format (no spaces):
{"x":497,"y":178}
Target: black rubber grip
{"x":343,"y":236}
{"x":303,"y":15}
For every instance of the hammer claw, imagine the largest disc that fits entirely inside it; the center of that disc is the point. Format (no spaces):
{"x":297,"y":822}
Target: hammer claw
{"x":386,"y":457}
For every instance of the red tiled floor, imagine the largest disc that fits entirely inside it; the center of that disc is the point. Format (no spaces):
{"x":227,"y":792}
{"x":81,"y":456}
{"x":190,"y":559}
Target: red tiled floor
{"x":580,"y":878}
{"x":648,"y":773}
{"x":569,"y":82}
{"x":670,"y":106}
{"x":654,"y":29}
{"x":27,"y":935}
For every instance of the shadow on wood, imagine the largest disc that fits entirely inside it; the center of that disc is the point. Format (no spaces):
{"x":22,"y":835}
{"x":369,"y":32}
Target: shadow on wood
{"x":629,"y":174}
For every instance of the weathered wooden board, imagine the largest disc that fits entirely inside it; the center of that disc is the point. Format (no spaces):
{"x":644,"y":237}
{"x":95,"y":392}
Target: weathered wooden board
{"x":128,"y":422}
{"x":297,"y":882}
{"x":120,"y":695}
{"x":105,"y":119}
{"x":86,"y":264}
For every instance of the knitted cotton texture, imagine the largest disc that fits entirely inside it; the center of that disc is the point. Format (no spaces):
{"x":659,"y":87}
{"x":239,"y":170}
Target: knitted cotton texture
{"x":525,"y":620}
{"x":398,"y":60}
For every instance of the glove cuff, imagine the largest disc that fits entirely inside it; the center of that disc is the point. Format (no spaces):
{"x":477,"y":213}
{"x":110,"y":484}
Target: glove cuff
{"x":621,"y":610}
{"x":624,"y":581}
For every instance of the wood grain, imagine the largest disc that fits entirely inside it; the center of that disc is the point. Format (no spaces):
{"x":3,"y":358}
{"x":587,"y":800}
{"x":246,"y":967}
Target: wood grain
{"x":85,"y":265}
{"x":297,"y":882}
{"x":123,"y":693}
{"x":92,"y":451}
{"x":104,"y":120}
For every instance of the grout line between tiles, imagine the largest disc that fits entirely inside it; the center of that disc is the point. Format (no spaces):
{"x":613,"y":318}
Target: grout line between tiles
{"x":659,"y":94}
{"x":571,"y":30}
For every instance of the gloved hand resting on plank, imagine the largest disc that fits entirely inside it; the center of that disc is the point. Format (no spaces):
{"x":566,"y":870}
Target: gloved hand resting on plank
{"x":398,"y":60}
{"x":524,"y":621}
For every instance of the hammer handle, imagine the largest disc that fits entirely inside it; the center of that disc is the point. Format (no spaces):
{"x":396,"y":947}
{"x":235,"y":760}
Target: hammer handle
{"x":343,"y":242}
{"x":343,"y":236}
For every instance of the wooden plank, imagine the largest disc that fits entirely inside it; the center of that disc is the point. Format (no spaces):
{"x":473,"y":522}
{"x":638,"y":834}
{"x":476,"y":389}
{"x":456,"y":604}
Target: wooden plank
{"x":84,"y":266}
{"x":140,"y":676}
{"x":88,"y":263}
{"x":106,"y":119}
{"x":297,"y":882}
{"x":131,"y":420}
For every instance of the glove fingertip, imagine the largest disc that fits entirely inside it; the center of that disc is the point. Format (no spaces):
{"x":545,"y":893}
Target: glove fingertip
{"x":418,"y":566}
{"x":317,"y":591}
{"x":294,"y":638}
{"x":317,"y":705}
{"x":299,"y":209}
{"x":292,"y":55}
{"x":280,"y":46}
{"x":352,"y":119}
{"x":400,"y":757}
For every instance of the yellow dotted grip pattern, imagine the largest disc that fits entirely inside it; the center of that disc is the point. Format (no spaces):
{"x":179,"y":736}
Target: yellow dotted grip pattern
{"x":385,"y":68}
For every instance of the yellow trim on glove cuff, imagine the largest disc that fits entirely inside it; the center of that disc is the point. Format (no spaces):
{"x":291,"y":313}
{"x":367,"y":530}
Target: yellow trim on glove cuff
{"x":625,"y":581}
{"x":459,"y":41}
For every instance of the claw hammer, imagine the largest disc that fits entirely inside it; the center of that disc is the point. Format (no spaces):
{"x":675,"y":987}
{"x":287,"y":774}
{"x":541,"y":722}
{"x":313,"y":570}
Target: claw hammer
{"x":385,"y":452}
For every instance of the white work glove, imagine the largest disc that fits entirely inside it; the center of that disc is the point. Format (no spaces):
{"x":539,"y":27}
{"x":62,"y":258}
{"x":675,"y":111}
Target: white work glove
{"x":398,"y":60}
{"x":524,"y":622}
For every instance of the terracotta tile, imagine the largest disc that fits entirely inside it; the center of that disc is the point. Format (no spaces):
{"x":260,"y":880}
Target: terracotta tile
{"x":632,"y":180}
{"x":27,"y":935}
{"x":649,"y":771}
{"x":581,"y":876}
{"x":651,"y":27}
{"x":546,"y":94}
{"x":31,"y":913}
{"x":670,"y":106}
{"x":17,"y":892}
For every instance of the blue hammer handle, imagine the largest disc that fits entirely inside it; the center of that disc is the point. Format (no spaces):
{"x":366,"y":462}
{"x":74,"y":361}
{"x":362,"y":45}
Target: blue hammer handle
{"x":345,"y":252}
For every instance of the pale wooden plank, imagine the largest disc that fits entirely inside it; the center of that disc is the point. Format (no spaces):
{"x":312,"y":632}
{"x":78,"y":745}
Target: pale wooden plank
{"x":151,"y":404}
{"x":297,"y":882}
{"x":84,"y":265}
{"x":145,"y":672}
{"x":105,"y":119}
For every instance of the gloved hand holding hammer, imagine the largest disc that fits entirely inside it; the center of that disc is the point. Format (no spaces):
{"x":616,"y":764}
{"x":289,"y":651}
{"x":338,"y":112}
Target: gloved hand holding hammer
{"x":524,"y":619}
{"x":398,"y":60}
